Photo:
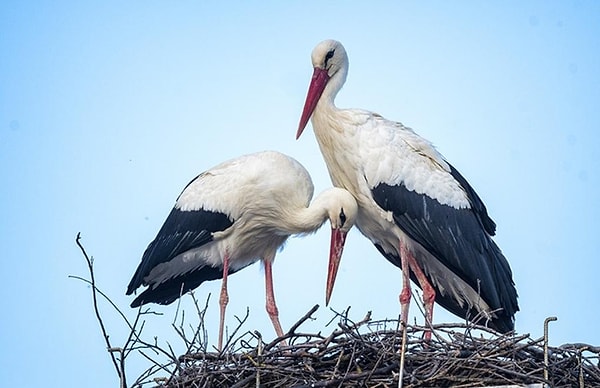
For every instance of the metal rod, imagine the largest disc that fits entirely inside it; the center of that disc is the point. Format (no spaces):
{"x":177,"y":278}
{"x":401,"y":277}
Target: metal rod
{"x":402,"y":354}
{"x":546,"y":322}
{"x":259,"y":354}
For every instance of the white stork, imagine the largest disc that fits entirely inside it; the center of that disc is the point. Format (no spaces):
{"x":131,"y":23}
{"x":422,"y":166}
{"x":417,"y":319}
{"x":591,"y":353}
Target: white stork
{"x":417,"y":209}
{"x":237,"y":213}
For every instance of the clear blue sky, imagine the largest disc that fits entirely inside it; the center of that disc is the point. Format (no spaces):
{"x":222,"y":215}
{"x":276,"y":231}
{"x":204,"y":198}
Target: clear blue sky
{"x":108,"y":110}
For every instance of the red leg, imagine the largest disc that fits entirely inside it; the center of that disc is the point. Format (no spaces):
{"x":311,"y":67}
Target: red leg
{"x":428,"y":293}
{"x":270,"y":297}
{"x":410,"y":264}
{"x":223,"y":299}
{"x":405,"y":294}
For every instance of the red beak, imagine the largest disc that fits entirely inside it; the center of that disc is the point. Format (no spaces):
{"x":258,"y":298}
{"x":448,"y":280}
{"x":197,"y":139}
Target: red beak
{"x":338,"y":238}
{"x":317,"y":85}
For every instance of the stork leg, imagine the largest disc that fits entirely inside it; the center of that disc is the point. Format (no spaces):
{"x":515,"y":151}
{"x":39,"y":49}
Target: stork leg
{"x":405,"y":294}
{"x":428,"y":294}
{"x":271,"y":306}
{"x":409,"y":263}
{"x":223,"y":299}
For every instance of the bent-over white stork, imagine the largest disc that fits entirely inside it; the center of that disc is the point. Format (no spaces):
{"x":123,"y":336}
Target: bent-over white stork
{"x":417,"y":209}
{"x":231,"y":216}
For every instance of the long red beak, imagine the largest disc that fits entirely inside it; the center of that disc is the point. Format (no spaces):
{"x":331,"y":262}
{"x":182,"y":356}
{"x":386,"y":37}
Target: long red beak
{"x":338,"y":238}
{"x":317,"y":85}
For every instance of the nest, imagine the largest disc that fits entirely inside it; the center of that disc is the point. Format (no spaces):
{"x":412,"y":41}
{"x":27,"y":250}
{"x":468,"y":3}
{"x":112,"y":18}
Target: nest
{"x":357,"y":354}
{"x":367,"y":354}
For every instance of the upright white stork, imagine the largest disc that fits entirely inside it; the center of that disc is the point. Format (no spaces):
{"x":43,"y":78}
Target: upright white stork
{"x":417,"y":209}
{"x":228,"y":217}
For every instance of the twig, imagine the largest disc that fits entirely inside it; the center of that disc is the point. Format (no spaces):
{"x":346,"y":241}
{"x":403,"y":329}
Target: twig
{"x":306,"y":316}
{"x":92,"y":282}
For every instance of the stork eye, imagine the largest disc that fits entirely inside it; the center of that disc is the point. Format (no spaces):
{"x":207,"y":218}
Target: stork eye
{"x":342,"y":217}
{"x":329,"y":56}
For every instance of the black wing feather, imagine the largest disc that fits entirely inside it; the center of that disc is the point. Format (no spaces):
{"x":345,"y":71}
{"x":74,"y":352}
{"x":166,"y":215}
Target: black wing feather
{"x":476,"y":203}
{"x":460,"y":239}
{"x":168,"y":292}
{"x":182,"y":231}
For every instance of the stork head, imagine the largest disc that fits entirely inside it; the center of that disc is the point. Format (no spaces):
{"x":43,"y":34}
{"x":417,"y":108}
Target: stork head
{"x":342,"y":215}
{"x":330,"y":63}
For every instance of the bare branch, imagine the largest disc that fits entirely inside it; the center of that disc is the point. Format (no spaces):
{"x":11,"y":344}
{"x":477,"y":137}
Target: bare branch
{"x":90,"y":263}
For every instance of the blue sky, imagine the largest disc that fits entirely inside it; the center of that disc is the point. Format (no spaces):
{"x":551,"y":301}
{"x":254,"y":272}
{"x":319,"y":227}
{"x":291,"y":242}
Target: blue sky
{"x":107,"y":110}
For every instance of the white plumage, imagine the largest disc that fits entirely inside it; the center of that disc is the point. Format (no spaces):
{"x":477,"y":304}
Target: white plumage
{"x":233,"y":215}
{"x":414,"y":206}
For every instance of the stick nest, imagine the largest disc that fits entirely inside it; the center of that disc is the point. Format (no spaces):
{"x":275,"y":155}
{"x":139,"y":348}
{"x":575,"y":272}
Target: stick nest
{"x":367,"y":354}
{"x":356,"y":354}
